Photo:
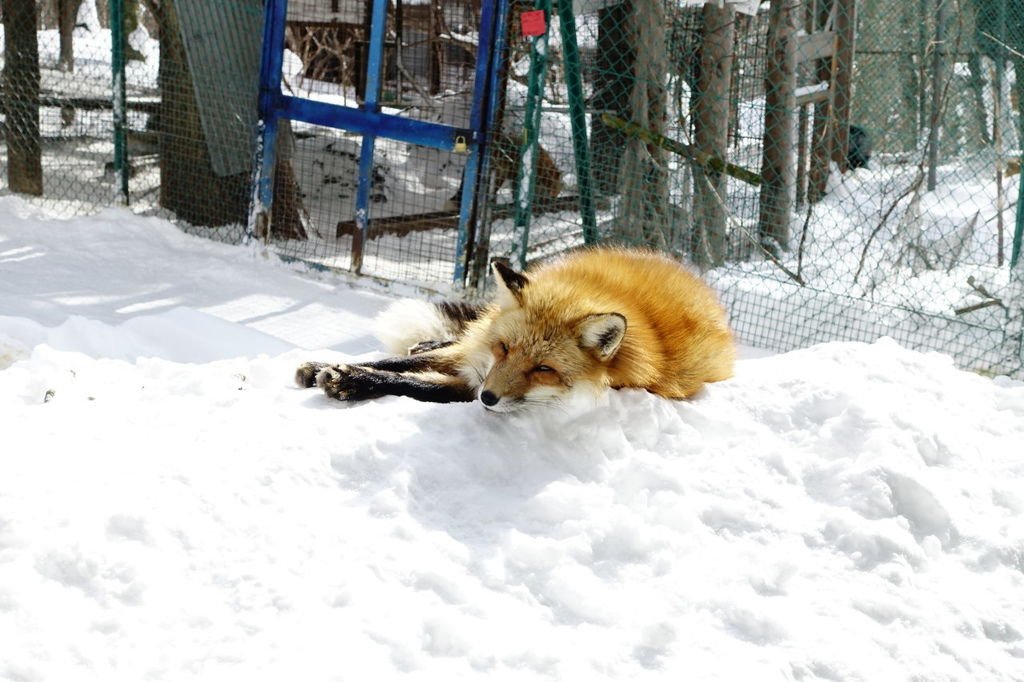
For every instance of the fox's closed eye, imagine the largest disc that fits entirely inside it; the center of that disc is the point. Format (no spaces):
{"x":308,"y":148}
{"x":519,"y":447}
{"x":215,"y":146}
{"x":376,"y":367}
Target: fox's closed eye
{"x":543,"y":368}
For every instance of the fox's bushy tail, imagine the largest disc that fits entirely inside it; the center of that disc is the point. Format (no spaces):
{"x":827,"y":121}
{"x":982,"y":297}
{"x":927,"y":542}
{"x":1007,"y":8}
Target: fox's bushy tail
{"x":408,"y":323}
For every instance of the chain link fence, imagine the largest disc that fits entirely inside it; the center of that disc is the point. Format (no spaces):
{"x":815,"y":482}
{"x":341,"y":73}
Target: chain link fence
{"x":427,"y":75}
{"x":839,"y":169}
{"x":159,"y":114}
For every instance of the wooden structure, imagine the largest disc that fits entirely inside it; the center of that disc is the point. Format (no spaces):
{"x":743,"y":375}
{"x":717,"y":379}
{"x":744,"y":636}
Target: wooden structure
{"x":827,"y":43}
{"x":331,"y":38}
{"x":831,"y":46}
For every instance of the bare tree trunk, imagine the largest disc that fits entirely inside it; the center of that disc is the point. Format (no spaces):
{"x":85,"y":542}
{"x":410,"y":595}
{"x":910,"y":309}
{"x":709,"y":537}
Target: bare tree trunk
{"x":711,"y":134}
{"x":21,"y":97}
{"x":644,"y":213}
{"x":613,"y":83}
{"x":842,"y":80}
{"x":780,"y":105}
{"x":67,"y":14}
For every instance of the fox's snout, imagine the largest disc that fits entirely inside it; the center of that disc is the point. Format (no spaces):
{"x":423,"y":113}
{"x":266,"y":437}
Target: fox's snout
{"x":500,"y":393}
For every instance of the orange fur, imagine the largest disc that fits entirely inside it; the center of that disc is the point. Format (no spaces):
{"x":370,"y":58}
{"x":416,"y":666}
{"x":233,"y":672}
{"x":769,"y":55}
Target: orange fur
{"x":597,"y":318}
{"x":676,"y":337}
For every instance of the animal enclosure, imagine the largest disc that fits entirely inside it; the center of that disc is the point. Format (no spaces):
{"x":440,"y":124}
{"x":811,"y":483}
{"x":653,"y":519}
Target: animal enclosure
{"x":838,"y":169}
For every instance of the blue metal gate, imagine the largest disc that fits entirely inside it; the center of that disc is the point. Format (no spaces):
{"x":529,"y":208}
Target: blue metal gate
{"x":370,"y":122}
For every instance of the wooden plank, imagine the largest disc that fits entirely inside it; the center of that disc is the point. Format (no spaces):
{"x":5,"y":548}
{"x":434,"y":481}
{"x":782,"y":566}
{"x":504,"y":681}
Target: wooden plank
{"x":817,"y":45}
{"x":402,"y":225}
{"x":812,"y":94}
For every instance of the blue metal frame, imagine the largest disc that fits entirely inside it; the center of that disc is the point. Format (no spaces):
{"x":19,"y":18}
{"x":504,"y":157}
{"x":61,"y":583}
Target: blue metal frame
{"x":371,"y":106}
{"x":479,"y":118}
{"x":372,"y":123}
{"x":275,"y":15}
{"x":368,"y":121}
{"x":497,"y":62}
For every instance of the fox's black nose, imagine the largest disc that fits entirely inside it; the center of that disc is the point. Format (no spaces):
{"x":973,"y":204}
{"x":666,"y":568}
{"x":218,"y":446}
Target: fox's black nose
{"x":488,"y":399}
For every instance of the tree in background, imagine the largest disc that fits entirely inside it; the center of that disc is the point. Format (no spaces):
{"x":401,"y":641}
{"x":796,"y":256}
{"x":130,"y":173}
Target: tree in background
{"x":613,"y":83}
{"x":21,"y":97}
{"x":632,"y":59}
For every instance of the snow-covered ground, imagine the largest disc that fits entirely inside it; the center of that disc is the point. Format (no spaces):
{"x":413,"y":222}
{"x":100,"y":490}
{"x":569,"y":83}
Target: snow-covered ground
{"x":171,"y":507}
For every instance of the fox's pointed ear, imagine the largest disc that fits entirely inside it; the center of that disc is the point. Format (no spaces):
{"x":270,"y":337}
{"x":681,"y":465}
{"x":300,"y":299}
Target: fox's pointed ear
{"x":603,"y":334}
{"x":510,"y":285}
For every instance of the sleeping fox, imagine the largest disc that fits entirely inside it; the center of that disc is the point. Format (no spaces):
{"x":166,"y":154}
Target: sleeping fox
{"x":590,"y":320}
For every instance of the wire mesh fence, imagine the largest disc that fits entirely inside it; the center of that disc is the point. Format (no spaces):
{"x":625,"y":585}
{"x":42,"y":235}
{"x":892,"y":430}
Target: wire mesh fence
{"x":174,"y":90}
{"x":429,"y":58}
{"x":839,"y":169}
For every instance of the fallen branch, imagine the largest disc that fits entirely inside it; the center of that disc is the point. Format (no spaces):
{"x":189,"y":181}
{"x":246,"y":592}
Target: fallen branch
{"x":712,"y":163}
{"x":1001,"y":44}
{"x":978,"y":306}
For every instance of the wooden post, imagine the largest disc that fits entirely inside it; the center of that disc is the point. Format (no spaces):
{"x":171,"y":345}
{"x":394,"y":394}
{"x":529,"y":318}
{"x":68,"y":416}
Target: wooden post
{"x":711,"y":134}
{"x":938,"y":64}
{"x":831,"y":128}
{"x":821,"y":130}
{"x":777,"y":169}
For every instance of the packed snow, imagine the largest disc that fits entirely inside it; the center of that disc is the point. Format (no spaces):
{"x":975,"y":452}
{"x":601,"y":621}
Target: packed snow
{"x":172,"y":508}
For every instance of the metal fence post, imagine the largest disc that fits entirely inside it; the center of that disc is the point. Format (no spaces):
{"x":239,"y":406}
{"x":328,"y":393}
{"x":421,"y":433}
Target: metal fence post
{"x":371,"y":103}
{"x":271,"y":65}
{"x":497,"y":61}
{"x":1018,"y":232}
{"x":578,"y":119}
{"x":522,"y":190}
{"x":484,"y":80}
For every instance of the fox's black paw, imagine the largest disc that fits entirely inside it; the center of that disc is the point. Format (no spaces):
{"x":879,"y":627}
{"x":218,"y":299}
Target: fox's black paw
{"x":427,"y":346}
{"x":306,"y":373}
{"x":348,"y":382}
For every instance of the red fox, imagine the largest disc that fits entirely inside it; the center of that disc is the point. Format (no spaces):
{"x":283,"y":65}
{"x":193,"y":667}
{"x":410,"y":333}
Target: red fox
{"x":593,"y":319}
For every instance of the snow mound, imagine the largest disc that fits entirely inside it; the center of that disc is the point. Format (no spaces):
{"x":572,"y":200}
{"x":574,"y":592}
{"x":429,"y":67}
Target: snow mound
{"x":171,"y":507}
{"x":845,"y":512}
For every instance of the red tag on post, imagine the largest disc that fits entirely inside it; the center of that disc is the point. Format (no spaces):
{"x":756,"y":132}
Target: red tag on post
{"x":533,"y":23}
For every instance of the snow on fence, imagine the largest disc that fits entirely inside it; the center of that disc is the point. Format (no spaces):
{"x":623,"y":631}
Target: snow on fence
{"x":838,"y":169}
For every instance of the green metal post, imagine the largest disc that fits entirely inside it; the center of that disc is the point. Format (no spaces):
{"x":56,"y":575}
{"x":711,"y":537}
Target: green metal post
{"x":578,"y":118}
{"x":1018,"y":232}
{"x":117,"y":41}
{"x":522,"y":191}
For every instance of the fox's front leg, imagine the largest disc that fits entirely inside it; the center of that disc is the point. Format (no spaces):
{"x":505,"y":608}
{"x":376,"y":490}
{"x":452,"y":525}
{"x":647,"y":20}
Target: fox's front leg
{"x":307,"y":373}
{"x":374,"y":380}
